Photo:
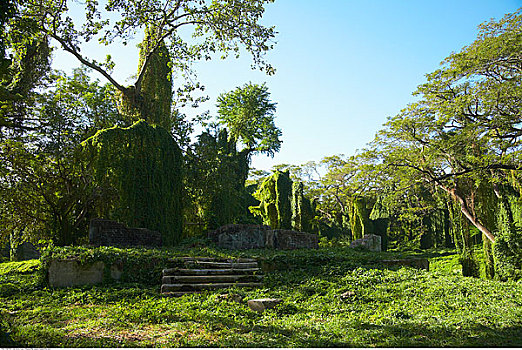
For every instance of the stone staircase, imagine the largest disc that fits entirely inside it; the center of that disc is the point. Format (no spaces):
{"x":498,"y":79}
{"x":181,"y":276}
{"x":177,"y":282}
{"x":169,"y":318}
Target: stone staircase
{"x":199,"y":274}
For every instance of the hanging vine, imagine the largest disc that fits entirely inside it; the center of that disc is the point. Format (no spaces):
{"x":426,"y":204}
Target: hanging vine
{"x":282,"y":203}
{"x":142,"y":164}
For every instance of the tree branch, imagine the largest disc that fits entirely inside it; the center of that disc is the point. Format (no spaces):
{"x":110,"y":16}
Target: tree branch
{"x":69,"y":48}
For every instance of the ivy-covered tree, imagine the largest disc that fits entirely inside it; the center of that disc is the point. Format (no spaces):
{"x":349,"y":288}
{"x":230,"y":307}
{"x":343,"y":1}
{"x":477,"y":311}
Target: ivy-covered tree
{"x":190,"y":30}
{"x":154,"y":102}
{"x":143,"y":165}
{"x":282,"y":204}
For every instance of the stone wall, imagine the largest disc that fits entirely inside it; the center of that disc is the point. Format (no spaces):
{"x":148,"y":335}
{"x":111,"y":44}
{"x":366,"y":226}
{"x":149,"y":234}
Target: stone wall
{"x":71,"y":273}
{"x":111,"y":233}
{"x":261,"y":236}
{"x":368,"y":242}
{"x":24,"y":251}
{"x":287,"y":239}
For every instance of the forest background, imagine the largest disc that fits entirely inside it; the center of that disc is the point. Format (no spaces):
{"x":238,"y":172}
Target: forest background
{"x":444,"y":171}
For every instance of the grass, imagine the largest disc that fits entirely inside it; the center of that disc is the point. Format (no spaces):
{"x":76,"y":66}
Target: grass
{"x":332,"y":297}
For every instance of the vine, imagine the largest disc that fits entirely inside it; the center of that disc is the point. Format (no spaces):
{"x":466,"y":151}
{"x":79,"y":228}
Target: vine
{"x":142,"y":165}
{"x":283,"y":204}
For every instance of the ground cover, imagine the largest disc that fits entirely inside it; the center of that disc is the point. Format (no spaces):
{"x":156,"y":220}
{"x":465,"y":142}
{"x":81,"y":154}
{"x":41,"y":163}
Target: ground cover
{"x":331,"y":297}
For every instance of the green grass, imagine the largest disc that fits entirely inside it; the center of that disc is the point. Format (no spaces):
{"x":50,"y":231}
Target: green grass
{"x":332,"y":297}
{"x":19,"y":267}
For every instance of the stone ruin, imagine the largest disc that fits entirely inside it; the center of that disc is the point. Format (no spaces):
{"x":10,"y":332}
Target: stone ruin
{"x":111,"y":233}
{"x":261,"y":236}
{"x":24,"y":251}
{"x":368,"y":242}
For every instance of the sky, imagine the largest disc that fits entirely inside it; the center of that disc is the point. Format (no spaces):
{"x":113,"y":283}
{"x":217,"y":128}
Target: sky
{"x":342,"y":66}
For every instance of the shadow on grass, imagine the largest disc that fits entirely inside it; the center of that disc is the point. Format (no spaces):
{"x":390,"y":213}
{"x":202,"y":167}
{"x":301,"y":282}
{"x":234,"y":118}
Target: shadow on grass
{"x":415,"y":335}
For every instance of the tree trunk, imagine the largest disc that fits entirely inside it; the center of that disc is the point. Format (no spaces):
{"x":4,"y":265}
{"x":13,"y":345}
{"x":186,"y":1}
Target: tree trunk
{"x":464,"y":209}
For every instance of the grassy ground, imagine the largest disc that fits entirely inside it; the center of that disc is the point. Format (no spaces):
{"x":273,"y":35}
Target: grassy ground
{"x":332,"y":297}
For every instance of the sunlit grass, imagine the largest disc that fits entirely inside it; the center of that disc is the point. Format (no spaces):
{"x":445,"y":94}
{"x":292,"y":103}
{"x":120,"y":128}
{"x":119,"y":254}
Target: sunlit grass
{"x":331,"y":298}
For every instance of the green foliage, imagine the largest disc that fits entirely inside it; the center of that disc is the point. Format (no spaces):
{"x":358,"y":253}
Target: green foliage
{"x":152,"y":99}
{"x":215,"y":182}
{"x":248,"y":114}
{"x":27,"y":266}
{"x":143,"y":165}
{"x":330,"y":297}
{"x":23,"y":69}
{"x":282,"y":204}
{"x":66,"y":114}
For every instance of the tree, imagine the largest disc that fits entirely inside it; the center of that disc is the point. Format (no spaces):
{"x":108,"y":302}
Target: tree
{"x":154,"y":102}
{"x":45,"y":184}
{"x":248,"y":113}
{"x":217,"y":26}
{"x":466,"y":127}
{"x":24,"y":62}
{"x":216,"y":173}
{"x":463,"y":136}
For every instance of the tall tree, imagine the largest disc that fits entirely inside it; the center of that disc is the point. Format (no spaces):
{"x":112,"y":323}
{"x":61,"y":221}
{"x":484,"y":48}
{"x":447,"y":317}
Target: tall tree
{"x":465,"y":129}
{"x":190,"y":29}
{"x":248,"y":113}
{"x":155,"y":100}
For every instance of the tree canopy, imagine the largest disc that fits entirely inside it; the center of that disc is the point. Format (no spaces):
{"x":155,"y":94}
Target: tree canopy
{"x":248,"y":114}
{"x":217,"y":26}
{"x":465,"y":128}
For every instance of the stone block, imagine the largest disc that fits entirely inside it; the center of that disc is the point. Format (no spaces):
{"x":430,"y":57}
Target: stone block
{"x":261,"y":236}
{"x":288,"y":239}
{"x":260,"y":305}
{"x":370,"y":242}
{"x":418,"y":263}
{"x":111,"y":233}
{"x":70,"y":273}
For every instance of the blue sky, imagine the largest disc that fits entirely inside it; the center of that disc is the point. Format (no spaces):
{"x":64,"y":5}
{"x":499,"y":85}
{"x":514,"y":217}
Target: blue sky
{"x":343,"y":66}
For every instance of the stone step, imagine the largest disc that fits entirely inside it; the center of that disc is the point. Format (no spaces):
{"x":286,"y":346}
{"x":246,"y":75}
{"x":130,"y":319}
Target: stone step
{"x":186,"y":287}
{"x":221,"y":265}
{"x":201,"y":272}
{"x":179,"y":294}
{"x":229,"y":260}
{"x":211,"y":279}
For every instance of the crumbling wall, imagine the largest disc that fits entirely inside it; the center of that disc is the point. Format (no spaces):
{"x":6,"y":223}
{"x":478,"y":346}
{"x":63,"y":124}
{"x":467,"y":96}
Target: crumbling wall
{"x":112,"y":233}
{"x":261,"y":236}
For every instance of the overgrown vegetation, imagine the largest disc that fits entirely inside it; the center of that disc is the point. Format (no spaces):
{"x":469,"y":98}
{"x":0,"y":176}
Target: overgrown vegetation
{"x":331,"y":297}
{"x":142,"y":164}
{"x":444,"y":173}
